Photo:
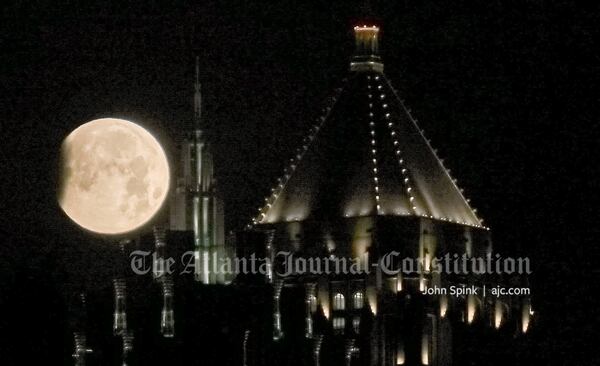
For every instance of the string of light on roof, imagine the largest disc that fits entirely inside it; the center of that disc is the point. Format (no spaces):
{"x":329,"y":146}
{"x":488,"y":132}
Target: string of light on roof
{"x":373,"y":148}
{"x":365,"y":27}
{"x":403,"y":168}
{"x":379,"y":112}
{"x":440,"y":161}
{"x":295,"y":160}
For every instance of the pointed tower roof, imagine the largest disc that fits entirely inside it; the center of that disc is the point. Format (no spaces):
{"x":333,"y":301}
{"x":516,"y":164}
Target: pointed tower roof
{"x":366,"y":156}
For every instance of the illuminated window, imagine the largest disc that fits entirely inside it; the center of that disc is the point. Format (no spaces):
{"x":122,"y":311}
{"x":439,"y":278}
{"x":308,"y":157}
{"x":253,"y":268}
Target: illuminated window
{"x":358,"y":300}
{"x":339,"y":324}
{"x":339,"y":303}
{"x":309,"y":327}
{"x":312,"y":303}
{"x":356,"y":324}
{"x":426,"y":260}
{"x":277,"y":321}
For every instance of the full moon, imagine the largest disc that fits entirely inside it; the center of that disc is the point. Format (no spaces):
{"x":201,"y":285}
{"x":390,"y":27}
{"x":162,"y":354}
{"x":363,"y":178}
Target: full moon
{"x":114,"y":176}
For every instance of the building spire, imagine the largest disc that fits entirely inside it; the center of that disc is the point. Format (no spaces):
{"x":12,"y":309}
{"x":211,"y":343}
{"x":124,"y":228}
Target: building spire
{"x":197,"y":97}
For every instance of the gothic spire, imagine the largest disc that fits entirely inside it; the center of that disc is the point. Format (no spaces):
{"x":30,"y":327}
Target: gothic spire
{"x":197,"y":98}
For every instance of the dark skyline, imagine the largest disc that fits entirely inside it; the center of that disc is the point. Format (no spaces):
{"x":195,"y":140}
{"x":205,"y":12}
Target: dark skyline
{"x":503,"y":92}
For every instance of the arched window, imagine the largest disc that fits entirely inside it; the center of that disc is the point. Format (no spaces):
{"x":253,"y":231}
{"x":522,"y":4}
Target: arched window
{"x":312,"y":303}
{"x":358,"y":300}
{"x":339,"y":303}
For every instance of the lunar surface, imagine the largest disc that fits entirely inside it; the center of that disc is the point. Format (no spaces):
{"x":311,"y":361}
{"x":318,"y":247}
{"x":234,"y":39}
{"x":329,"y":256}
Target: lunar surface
{"x":114,"y":176}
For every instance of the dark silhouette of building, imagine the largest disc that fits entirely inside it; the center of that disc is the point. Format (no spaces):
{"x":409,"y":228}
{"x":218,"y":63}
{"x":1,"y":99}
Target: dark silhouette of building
{"x":365,"y":183}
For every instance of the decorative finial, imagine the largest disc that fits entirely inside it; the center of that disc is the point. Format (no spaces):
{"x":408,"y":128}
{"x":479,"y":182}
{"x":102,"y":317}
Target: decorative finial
{"x":197,"y":97}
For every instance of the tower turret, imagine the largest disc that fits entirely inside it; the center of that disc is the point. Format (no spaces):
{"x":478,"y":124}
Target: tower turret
{"x":363,"y":185}
{"x":366,"y":53}
{"x":196,"y":205}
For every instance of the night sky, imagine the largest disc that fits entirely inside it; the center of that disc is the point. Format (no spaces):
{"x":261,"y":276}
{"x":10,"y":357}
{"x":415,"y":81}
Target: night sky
{"x":503,"y":91}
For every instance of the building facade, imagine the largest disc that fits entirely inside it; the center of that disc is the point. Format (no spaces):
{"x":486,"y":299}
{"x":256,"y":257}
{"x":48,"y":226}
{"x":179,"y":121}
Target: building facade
{"x":363,"y":191}
{"x":366,"y":184}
